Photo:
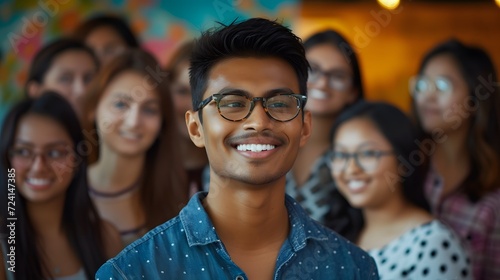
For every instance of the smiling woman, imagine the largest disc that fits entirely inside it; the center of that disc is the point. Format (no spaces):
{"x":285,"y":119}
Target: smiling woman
{"x":456,"y":103}
{"x":39,"y":140}
{"x":334,"y":84}
{"x":137,"y":181}
{"x":66,"y":66}
{"x":371,"y":142}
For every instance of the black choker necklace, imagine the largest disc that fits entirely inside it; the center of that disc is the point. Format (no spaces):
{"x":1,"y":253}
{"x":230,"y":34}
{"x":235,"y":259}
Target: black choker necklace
{"x":97,"y":193}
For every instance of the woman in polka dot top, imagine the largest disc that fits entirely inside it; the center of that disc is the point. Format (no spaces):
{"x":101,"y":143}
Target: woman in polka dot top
{"x":379,"y":169}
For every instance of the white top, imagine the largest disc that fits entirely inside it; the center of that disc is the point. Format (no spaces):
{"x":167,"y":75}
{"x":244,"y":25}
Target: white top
{"x":429,"y":251}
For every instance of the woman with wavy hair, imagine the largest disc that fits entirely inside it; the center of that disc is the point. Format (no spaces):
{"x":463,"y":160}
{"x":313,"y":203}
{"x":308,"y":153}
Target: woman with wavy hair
{"x":457,"y":104}
{"x":56,"y":232}
{"x":137,"y":181}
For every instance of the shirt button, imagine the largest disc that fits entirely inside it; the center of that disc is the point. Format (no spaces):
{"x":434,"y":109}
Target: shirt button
{"x":239,"y":277}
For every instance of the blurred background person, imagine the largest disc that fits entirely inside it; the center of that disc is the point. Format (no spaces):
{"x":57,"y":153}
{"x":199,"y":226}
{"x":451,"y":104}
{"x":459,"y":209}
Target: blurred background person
{"x":138,"y":180}
{"x":58,"y":234}
{"x":194,"y":159}
{"x":371,"y":144}
{"x":456,"y":102}
{"x":108,"y":35}
{"x":65,"y":66}
{"x":334,"y":83}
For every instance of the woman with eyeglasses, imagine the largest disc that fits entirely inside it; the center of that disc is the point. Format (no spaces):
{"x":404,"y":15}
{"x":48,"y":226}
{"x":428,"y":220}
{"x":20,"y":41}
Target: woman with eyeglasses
{"x":138,"y":181}
{"x":334,"y":83}
{"x":379,"y":169}
{"x":456,"y":103}
{"x":49,"y":226}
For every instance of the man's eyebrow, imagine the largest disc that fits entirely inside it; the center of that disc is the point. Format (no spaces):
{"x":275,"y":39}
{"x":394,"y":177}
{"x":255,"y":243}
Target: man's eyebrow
{"x":277,"y":91}
{"x":268,"y":93}
{"x":233,"y":90}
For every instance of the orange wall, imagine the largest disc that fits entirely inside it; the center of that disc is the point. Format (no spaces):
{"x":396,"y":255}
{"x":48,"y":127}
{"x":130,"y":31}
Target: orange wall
{"x":390,"y":44}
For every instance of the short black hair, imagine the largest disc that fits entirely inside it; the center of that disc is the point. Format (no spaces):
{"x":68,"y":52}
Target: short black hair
{"x":255,"y":37}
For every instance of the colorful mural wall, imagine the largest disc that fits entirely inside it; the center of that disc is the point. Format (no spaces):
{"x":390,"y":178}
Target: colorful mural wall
{"x":161,"y":25}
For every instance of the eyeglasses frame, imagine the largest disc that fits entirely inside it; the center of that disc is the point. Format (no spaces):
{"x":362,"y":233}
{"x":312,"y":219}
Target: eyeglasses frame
{"x":302,"y":99}
{"x":413,"y":82}
{"x":328,"y":75}
{"x":356,"y":160}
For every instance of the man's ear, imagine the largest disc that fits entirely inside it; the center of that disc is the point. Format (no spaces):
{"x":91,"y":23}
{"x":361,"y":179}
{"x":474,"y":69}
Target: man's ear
{"x":306,"y":128}
{"x":34,"y":89}
{"x":195,"y":128}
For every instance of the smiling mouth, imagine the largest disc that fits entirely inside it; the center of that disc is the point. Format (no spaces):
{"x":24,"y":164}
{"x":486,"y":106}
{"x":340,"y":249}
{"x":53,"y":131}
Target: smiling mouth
{"x":256,"y":148}
{"x":317,"y":94}
{"x":130,"y":135}
{"x":37,"y":181}
{"x":355,"y":185}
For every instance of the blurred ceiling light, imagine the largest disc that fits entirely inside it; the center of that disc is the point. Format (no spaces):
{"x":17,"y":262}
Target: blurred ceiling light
{"x":498,"y":2}
{"x":393,"y":4}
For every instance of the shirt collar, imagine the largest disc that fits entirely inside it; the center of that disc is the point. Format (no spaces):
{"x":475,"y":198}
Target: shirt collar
{"x":302,"y":227}
{"x":200,"y":230}
{"x":195,"y":221}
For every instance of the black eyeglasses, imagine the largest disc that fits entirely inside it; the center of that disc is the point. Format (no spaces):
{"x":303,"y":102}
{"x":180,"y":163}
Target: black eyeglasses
{"x":367,"y":160}
{"x":420,"y":86}
{"x":336,"y":79}
{"x":238,"y":106}
{"x":26,"y":156}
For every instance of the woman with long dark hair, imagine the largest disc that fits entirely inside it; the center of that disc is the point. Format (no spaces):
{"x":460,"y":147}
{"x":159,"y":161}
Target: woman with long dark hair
{"x":334,"y":84}
{"x":137,"y":181}
{"x":456,"y":103}
{"x":379,"y":169}
{"x":57,"y":232}
{"x":65,"y":66}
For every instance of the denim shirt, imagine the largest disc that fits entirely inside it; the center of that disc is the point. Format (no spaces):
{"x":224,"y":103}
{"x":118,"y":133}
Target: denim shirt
{"x":188,"y":247}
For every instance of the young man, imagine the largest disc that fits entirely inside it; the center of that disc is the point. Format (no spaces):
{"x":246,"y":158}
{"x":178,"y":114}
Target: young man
{"x":249,"y":90}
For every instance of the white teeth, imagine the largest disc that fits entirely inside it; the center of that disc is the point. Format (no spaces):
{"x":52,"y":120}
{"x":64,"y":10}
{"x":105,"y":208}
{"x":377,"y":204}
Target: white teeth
{"x":35,"y":181}
{"x":356,"y":184}
{"x":317,"y":94}
{"x":130,"y":135}
{"x":255,"y":147}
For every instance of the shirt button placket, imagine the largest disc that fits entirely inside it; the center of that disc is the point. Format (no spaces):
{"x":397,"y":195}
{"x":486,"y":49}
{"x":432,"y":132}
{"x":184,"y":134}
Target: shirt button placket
{"x":239,"y":277}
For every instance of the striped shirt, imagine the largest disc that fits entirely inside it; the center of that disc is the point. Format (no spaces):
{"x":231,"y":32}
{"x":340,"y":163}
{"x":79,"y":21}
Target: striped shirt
{"x":314,"y":194}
